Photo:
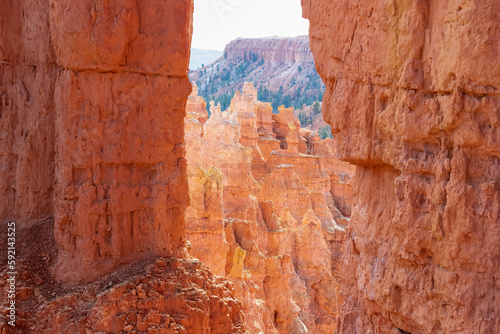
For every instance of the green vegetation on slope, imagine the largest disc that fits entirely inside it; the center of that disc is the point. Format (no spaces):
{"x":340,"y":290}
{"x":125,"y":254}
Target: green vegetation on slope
{"x":218,"y":81}
{"x":325,"y":132}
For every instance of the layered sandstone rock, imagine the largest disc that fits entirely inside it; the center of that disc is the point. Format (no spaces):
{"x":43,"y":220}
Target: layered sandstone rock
{"x":92,"y":107}
{"x":413,"y":97}
{"x":280,"y":243}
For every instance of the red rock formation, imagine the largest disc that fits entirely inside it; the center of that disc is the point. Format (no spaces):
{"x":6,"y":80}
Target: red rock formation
{"x":413,"y":97}
{"x":27,"y":113}
{"x":119,"y":141}
{"x":92,"y":107}
{"x":284,"y":245}
{"x":116,"y":200}
{"x":103,"y":145}
{"x":161,"y":295}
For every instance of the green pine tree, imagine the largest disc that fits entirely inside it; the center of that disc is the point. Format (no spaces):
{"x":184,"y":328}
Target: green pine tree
{"x":316,"y":108}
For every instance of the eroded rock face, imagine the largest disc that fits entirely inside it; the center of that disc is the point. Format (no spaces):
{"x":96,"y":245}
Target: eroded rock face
{"x":92,"y":170}
{"x":413,"y":97}
{"x":163,"y":295}
{"x":119,"y":142}
{"x":27,"y":113}
{"x":97,"y":151}
{"x":264,"y":195}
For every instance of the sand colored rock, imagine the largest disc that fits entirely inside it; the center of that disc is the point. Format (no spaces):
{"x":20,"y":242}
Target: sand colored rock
{"x":275,"y":49}
{"x":204,"y":215}
{"x":278,"y":214}
{"x":196,"y":108}
{"x":246,"y":101}
{"x":413,"y":97}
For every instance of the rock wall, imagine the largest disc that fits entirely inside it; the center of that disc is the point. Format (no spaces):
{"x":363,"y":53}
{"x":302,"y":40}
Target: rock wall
{"x":263,"y":211}
{"x":92,"y":106}
{"x":413,"y":97}
{"x":27,"y":112}
{"x":92,"y":128}
{"x":121,"y":190}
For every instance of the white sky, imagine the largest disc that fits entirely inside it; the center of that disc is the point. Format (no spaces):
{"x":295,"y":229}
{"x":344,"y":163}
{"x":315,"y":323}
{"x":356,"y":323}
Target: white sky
{"x":217,"y":22}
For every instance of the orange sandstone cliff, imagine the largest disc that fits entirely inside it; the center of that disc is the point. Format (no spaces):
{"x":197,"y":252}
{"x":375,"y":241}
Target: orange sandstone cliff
{"x":412,"y":95}
{"x":92,"y":106}
{"x":263,"y":211}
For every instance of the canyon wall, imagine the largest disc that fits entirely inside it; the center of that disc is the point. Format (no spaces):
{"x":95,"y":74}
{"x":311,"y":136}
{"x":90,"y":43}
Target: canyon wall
{"x":263,"y":211}
{"x":412,"y":95}
{"x":92,"y":128}
{"x":92,"y":106}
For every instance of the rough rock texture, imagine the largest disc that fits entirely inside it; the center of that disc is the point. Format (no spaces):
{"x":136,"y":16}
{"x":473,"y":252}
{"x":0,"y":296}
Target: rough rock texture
{"x":171,"y":296}
{"x":99,"y":151}
{"x":263,"y":212}
{"x":27,"y":112}
{"x":92,"y":169}
{"x":120,"y":192}
{"x":413,"y":97}
{"x":162,"y":295}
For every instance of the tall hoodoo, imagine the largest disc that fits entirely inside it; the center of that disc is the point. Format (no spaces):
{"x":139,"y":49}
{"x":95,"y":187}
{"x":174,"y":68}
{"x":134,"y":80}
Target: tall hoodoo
{"x":412,"y":94}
